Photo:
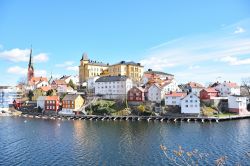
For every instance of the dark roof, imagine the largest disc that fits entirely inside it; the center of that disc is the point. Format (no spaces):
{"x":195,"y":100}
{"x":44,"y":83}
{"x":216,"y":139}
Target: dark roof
{"x":157,"y":72}
{"x":97,"y":63}
{"x":111,"y":78}
{"x":128,"y":63}
{"x":71,"y":97}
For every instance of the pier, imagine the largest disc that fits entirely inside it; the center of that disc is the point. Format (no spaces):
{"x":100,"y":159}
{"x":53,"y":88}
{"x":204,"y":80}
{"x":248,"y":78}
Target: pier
{"x":136,"y":118}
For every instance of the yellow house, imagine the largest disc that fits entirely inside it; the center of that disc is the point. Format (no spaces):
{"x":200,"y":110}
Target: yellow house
{"x":89,"y":68}
{"x":130,"y":69}
{"x":72,"y":102}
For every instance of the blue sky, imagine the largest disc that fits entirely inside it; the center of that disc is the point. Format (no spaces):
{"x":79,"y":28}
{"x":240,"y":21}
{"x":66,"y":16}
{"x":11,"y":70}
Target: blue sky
{"x":195,"y":40}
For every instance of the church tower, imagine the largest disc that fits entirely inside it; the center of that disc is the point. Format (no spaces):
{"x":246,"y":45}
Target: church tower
{"x":30,"y":68}
{"x":83,"y":67}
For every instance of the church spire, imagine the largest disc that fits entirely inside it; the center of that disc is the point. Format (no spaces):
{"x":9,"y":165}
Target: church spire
{"x":30,"y":73}
{"x":31,"y":59}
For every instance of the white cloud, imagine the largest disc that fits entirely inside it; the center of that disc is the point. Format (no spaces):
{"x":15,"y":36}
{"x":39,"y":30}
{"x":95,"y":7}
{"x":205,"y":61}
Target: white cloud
{"x":239,"y":30}
{"x":68,"y":65}
{"x":22,"y":55}
{"x":204,"y":50}
{"x":235,"y":61}
{"x":1,"y":46}
{"x":42,"y":57}
{"x":17,"y":70}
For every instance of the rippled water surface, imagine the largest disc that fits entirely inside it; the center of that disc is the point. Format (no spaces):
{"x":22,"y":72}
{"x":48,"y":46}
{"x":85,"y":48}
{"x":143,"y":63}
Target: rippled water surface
{"x":25,"y":141}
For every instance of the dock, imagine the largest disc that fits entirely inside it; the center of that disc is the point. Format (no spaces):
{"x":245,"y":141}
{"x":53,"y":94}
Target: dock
{"x":137,"y":118}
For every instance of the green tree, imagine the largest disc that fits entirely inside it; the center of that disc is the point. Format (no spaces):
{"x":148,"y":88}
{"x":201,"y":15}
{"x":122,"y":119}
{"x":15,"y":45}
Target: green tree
{"x":71,"y":84}
{"x":50,"y":92}
{"x":30,"y":95}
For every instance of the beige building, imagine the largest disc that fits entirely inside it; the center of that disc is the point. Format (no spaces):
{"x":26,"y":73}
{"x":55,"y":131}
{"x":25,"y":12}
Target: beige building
{"x":130,"y":69}
{"x":89,"y":68}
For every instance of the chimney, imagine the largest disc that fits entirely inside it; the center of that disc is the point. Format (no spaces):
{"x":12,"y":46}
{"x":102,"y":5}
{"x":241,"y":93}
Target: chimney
{"x":149,"y":69}
{"x":139,"y":64}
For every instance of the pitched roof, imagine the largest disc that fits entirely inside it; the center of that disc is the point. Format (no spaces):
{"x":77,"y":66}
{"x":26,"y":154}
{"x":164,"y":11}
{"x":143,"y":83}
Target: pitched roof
{"x":112,"y":78}
{"x":139,"y":88}
{"x":60,"y":82}
{"x":64,"y":77}
{"x":176,"y":94}
{"x":128,"y":63}
{"x":52,"y":98}
{"x":157,"y":72}
{"x":45,"y":88}
{"x":232,"y":85}
{"x":34,"y":80}
{"x":71,"y":97}
{"x":211,"y":90}
{"x":195,"y":85}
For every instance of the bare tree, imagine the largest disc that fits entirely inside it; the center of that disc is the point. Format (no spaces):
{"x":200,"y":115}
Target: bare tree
{"x":245,"y":86}
{"x":22,"y":81}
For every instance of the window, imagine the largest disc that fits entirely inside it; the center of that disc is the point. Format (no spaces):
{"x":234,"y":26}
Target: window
{"x":191,"y":101}
{"x":166,"y":97}
{"x":186,"y":101}
{"x":191,"y":105}
{"x":191,"y":96}
{"x":174,"y":97}
{"x":186,"y":105}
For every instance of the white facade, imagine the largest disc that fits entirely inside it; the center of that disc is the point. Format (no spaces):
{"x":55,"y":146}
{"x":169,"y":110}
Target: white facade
{"x":174,"y":99}
{"x":225,"y":89}
{"x":41,"y":83}
{"x":171,"y":87}
{"x":190,"y":104}
{"x":196,"y":90}
{"x":75,"y":79}
{"x":237,"y":104}
{"x":155,"y":93}
{"x":91,"y":82}
{"x":113,"y":89}
{"x":40,"y":102}
{"x":65,"y":89}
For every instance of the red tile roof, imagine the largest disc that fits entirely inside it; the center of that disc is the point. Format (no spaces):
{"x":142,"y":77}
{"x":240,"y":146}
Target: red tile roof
{"x":211,"y":90}
{"x":232,"y":85}
{"x":176,"y":94}
{"x":195,"y":85}
{"x":60,"y":82}
{"x":34,"y":80}
{"x":52,"y":98}
{"x":45,"y":88}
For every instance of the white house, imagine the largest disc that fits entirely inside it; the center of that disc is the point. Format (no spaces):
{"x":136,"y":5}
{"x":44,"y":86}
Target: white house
{"x":193,"y":87}
{"x":65,"y":89}
{"x":228,"y":88}
{"x":170,"y":86}
{"x":174,"y":99}
{"x":91,"y":82}
{"x":40,"y":102}
{"x":113,"y":87}
{"x":155,"y":93}
{"x":190,"y":104}
{"x":75,"y":79}
{"x":238,"y":104}
{"x":41,"y":83}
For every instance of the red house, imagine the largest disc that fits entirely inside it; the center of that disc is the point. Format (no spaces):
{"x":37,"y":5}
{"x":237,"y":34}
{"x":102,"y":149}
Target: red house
{"x":51,"y":103}
{"x":136,"y":94}
{"x":206,"y":94}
